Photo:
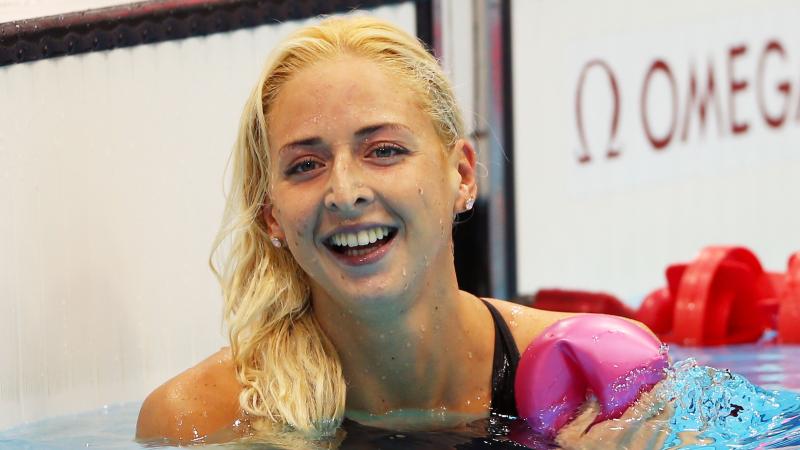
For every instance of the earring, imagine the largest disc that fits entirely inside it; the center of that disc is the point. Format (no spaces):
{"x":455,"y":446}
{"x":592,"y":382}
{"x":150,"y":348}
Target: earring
{"x":276,"y":242}
{"x":470,"y":203}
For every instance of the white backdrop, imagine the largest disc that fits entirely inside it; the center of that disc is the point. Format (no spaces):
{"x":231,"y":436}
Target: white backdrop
{"x":11,"y":10}
{"x":692,"y":164}
{"x":111,"y":184}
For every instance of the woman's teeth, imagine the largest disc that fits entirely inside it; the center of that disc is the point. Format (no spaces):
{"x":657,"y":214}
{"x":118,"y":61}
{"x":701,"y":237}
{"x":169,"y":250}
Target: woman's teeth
{"x":361,"y":238}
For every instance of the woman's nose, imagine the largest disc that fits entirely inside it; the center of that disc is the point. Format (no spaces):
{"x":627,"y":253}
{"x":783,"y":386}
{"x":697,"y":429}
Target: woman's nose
{"x":347,"y":194}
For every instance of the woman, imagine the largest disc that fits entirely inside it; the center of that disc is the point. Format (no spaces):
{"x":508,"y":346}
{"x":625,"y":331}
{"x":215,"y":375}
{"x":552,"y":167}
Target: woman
{"x":340,"y":289}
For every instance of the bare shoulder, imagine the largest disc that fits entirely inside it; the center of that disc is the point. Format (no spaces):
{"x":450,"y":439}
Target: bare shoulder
{"x":527,"y":323}
{"x":197,"y":403}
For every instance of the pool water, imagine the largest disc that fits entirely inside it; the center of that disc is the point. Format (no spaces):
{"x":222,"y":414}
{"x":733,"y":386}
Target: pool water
{"x":729,"y":410}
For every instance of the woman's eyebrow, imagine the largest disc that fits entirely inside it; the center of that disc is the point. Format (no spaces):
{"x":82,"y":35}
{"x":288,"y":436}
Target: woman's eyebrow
{"x":309,"y":142}
{"x":366,"y":131}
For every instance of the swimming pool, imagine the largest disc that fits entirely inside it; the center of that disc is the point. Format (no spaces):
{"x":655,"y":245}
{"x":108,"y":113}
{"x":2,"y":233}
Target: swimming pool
{"x":112,"y":427}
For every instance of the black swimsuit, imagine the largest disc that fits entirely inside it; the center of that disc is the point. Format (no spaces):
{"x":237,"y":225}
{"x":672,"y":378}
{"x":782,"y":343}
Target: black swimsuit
{"x":504,"y":366}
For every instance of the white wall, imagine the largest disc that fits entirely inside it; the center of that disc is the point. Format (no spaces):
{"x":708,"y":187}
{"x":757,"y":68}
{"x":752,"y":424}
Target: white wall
{"x":111,"y":176}
{"x":614,"y":224}
{"x":11,"y":10}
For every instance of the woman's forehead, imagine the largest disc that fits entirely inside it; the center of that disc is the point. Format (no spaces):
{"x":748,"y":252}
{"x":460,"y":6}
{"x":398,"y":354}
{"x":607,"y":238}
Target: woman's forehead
{"x":346,"y":93}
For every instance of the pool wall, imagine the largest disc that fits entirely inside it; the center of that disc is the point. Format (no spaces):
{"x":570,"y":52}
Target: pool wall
{"x":111,"y":177}
{"x":626,"y":161}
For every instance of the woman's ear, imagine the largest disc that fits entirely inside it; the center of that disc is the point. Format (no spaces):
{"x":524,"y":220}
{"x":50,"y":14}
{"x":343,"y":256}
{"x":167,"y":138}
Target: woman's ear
{"x":465,"y":160}
{"x":268,"y":214}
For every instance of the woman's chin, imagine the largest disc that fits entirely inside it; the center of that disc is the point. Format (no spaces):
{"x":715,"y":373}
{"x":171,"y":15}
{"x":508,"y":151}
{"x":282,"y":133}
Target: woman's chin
{"x":386,"y":296}
{"x":366,"y":285}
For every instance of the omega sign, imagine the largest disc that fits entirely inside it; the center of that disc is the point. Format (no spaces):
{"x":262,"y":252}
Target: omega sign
{"x":738,"y":89}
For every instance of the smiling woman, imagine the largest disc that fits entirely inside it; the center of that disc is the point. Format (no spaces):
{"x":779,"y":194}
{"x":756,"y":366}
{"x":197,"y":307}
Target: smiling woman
{"x":340,"y":289}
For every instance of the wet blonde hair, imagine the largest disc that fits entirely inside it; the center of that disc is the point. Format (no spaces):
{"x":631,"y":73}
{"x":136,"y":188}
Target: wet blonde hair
{"x":290,"y":371}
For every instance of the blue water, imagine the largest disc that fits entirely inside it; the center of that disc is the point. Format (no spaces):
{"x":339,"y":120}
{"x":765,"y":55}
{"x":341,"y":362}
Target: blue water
{"x":726,"y":409}
{"x":723,"y":407}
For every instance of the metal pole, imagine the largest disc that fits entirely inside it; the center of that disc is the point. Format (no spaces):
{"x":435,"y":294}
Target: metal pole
{"x":493,"y":137}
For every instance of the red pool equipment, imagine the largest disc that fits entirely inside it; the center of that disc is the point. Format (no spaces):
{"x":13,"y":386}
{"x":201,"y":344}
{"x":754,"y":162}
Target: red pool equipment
{"x":656,"y":311}
{"x":789,"y":312}
{"x":722,"y":297}
{"x":579,"y":302}
{"x":717,"y":297}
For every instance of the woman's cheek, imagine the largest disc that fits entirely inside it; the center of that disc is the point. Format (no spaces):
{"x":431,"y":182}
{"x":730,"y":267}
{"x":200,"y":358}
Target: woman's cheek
{"x":298,"y":233}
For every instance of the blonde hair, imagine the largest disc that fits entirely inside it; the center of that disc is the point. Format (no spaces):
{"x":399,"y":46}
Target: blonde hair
{"x":290,"y":371}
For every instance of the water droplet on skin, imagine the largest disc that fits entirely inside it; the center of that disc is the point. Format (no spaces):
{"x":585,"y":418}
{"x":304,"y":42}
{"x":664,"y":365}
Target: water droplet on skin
{"x":404,"y":271}
{"x":469,"y":355}
{"x":421,"y":192}
{"x":408,"y":344}
{"x":422,"y":328}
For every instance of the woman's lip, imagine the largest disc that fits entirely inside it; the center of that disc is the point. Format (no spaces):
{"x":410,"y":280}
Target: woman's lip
{"x":373,"y":256}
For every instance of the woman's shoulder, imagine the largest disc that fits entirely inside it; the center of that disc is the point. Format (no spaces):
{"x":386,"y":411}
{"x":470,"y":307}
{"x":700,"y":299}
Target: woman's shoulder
{"x":198,"y":402}
{"x":527,"y":323}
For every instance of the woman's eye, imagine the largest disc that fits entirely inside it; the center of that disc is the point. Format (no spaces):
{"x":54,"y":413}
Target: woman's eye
{"x":388,"y":151}
{"x":306,"y":165}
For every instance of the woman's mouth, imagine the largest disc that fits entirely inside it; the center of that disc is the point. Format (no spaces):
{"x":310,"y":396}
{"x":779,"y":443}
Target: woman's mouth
{"x":363,"y":246}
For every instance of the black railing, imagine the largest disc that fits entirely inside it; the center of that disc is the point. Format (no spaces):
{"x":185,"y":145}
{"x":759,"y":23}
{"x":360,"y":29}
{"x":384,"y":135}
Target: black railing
{"x":163,"y":20}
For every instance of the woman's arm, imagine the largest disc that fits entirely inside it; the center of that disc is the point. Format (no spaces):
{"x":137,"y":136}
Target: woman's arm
{"x":617,"y":361}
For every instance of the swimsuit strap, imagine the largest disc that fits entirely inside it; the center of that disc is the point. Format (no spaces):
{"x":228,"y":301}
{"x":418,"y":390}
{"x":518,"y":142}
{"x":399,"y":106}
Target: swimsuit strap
{"x":504,"y":366}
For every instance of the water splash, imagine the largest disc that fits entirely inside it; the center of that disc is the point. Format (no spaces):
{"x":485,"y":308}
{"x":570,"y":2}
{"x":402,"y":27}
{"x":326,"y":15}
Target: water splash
{"x":724,"y":409}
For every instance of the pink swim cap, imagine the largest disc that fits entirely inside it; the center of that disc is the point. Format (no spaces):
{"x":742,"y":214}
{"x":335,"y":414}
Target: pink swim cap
{"x":608,"y":356}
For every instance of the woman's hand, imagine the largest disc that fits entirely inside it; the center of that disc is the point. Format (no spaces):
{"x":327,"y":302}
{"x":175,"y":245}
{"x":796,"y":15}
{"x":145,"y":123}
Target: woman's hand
{"x":645,"y":425}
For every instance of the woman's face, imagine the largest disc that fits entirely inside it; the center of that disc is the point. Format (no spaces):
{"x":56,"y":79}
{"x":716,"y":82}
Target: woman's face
{"x":363,"y":191}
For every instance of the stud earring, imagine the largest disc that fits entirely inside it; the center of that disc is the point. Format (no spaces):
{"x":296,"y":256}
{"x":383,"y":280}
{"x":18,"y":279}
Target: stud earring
{"x":470,"y":203}
{"x":276,"y":242}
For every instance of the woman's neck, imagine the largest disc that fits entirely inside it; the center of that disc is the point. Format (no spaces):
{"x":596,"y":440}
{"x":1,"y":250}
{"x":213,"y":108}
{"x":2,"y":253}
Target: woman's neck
{"x":434,"y":355}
